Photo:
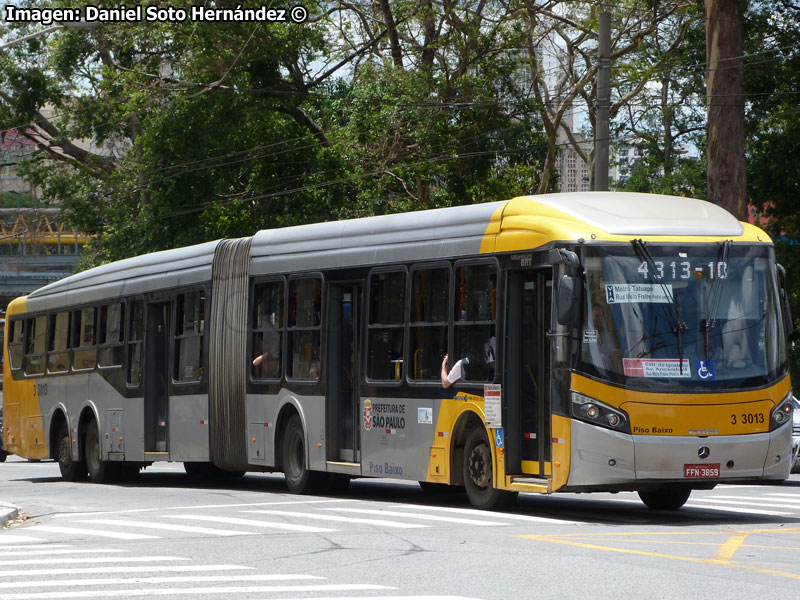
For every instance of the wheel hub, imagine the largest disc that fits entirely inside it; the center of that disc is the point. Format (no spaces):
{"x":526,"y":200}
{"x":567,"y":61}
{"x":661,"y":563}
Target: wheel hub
{"x":479,"y":469}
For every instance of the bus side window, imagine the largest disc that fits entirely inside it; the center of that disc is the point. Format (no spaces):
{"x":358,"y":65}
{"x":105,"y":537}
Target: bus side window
{"x":474,"y":320}
{"x":305,"y":302}
{"x":266,"y":327}
{"x":58,"y":343}
{"x":135,"y":344}
{"x":189,"y":329}
{"x":34,"y":363}
{"x":387,"y":294}
{"x":429,"y":319}
{"x":15,"y":344}
{"x":84,"y":355}
{"x":112,"y":318}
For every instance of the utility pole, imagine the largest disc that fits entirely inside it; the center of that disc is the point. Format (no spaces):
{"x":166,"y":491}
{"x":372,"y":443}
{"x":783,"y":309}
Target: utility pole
{"x":725,"y":175}
{"x":603,"y":102}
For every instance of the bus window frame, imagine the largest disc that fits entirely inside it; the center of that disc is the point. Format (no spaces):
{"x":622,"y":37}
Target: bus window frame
{"x":283,"y":329}
{"x":100,"y":347}
{"x":473,"y":262}
{"x":51,"y":316}
{"x":131,"y":301}
{"x":403,"y":325}
{"x":16,"y":369}
{"x":174,"y":337}
{"x":319,"y":328}
{"x":426,"y":266}
{"x":76,"y":341}
{"x":25,"y":353}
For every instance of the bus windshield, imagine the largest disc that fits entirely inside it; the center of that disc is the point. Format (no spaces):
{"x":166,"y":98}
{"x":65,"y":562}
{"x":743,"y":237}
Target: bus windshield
{"x":700,"y":317}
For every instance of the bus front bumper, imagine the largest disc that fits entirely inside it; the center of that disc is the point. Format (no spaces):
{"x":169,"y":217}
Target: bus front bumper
{"x":601,"y":457}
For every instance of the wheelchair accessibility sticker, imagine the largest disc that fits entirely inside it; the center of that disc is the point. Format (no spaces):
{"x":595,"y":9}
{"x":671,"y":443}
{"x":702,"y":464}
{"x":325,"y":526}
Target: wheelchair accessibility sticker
{"x":705,"y":369}
{"x":498,"y":437}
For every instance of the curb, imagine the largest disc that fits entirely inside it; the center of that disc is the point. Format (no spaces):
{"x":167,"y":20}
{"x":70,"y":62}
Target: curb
{"x":8,"y":512}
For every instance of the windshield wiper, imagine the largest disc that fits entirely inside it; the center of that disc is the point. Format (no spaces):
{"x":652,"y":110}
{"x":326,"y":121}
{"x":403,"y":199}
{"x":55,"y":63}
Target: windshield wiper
{"x":714,"y":297}
{"x":676,"y":322}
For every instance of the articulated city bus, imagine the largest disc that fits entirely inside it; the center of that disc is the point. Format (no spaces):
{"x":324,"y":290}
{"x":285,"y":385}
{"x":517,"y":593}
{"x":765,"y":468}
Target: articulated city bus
{"x":606,"y":342}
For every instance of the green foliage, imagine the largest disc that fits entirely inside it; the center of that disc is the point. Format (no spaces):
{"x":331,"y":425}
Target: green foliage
{"x":16,"y":200}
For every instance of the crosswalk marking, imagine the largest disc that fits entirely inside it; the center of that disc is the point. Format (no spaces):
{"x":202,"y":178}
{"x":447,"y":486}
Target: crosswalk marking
{"x":85,"y":561}
{"x":50,"y":551}
{"x":485,"y":513}
{"x":442,"y":519}
{"x":253,"y":523}
{"x":166,"y":527}
{"x":747,"y":511}
{"x":382,"y":522}
{"x":153,"y":580}
{"x":197,"y":591}
{"x":162,"y":509}
{"x":13,"y":538}
{"x":118,"y":535}
{"x":124,"y":569}
{"x":759,"y":501}
{"x":31,"y":547}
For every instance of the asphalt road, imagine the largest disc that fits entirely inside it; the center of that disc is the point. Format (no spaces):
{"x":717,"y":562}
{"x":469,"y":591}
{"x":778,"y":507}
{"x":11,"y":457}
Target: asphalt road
{"x":166,"y":536}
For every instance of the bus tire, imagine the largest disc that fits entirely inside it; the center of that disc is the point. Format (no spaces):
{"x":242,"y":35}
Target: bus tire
{"x":666,"y":497}
{"x":71,"y":469}
{"x":479,"y":475}
{"x":299,"y":479}
{"x":100,"y":471}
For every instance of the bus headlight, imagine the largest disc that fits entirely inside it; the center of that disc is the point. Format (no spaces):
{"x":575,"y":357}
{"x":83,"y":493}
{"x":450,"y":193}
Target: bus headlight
{"x":598,"y":413}
{"x":782,"y":413}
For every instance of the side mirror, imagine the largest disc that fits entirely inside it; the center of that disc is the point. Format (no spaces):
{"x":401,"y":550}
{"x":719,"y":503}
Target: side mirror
{"x":567,"y":299}
{"x":786,"y":310}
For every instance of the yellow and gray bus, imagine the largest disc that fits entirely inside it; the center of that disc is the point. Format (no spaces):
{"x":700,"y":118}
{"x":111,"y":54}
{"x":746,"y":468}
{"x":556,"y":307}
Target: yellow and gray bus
{"x":638,"y":342}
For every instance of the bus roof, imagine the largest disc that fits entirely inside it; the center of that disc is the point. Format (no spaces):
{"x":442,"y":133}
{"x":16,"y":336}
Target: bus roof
{"x":425,"y":235}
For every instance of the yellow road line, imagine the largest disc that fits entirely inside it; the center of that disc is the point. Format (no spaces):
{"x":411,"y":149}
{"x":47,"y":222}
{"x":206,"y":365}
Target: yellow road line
{"x":730,"y":547}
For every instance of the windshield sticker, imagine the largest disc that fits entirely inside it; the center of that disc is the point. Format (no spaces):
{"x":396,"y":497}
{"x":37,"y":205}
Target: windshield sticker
{"x":589,"y":336}
{"x":705,"y":369}
{"x":664,"y":368}
{"x":618,"y":293}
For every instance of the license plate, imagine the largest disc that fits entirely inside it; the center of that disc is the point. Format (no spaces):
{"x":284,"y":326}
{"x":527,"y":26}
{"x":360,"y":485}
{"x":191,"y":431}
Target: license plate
{"x":700,"y":471}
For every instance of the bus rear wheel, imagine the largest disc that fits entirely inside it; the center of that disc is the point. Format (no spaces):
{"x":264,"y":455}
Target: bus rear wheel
{"x":100,"y":471}
{"x":666,"y":497}
{"x":71,"y":469}
{"x":479,"y":475}
{"x":299,"y":479}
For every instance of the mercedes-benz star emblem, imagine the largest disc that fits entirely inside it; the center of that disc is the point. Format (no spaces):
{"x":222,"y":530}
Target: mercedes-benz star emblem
{"x":704,"y":452}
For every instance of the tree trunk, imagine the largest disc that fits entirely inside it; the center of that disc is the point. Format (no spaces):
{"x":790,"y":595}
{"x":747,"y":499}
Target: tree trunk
{"x":726,"y":180}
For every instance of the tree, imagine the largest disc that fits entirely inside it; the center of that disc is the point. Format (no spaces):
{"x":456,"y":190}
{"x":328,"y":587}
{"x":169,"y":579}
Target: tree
{"x":568,"y":32}
{"x":725,"y":101}
{"x":204,"y":130}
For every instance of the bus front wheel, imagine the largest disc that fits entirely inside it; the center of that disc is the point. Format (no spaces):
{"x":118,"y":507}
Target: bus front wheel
{"x":299,"y":479}
{"x":100,"y":471}
{"x":479,"y":474}
{"x":665,"y":498}
{"x":71,"y":469}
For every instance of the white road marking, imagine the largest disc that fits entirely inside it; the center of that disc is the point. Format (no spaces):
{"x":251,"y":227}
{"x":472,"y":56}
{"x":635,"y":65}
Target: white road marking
{"x":13,"y":538}
{"x":117,"y":535}
{"x":152,"y":580}
{"x":32,"y":546}
{"x":50,"y":551}
{"x":382,"y":522}
{"x":196,"y":591}
{"x":117,"y":569}
{"x":486,"y":513}
{"x":785,"y":502}
{"x":748,"y":511}
{"x":167,"y":527}
{"x":253,"y":523}
{"x":84,"y":561}
{"x":410,"y":515}
{"x":163,"y":509}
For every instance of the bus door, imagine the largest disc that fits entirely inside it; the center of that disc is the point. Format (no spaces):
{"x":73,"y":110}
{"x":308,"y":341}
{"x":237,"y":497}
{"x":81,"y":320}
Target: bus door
{"x":526,"y":377}
{"x":156,"y":376}
{"x":342,"y":372}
